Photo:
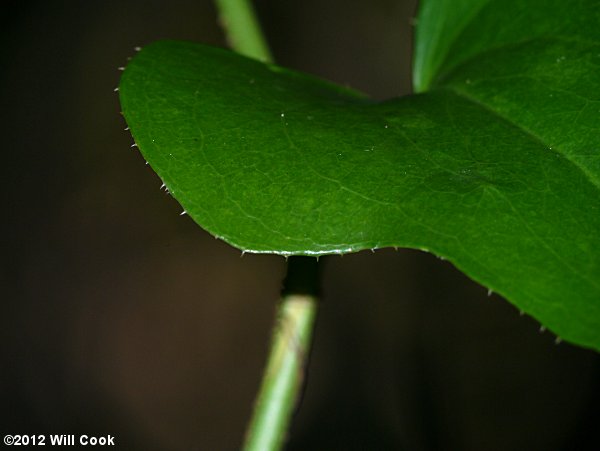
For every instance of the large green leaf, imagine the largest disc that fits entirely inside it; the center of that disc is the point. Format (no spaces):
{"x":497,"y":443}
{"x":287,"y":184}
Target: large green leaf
{"x":496,"y":167}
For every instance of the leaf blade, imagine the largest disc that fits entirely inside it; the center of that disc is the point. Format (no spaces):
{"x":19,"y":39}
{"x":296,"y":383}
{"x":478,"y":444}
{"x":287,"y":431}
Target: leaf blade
{"x":275,"y":161}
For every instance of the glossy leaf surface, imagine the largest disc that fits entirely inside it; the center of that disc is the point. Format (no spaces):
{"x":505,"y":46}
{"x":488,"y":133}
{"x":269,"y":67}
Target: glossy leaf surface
{"x":496,"y":167}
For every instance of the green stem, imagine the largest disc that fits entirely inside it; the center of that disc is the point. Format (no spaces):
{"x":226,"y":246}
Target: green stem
{"x":290,"y":346}
{"x":242,"y":29}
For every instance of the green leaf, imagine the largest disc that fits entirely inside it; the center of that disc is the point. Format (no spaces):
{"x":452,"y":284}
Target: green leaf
{"x":496,"y":167}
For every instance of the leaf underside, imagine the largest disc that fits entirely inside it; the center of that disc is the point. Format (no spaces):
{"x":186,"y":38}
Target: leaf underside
{"x":495,"y":165}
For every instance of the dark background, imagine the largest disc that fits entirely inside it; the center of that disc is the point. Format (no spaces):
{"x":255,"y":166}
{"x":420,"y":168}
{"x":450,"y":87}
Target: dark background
{"x":120,"y":317}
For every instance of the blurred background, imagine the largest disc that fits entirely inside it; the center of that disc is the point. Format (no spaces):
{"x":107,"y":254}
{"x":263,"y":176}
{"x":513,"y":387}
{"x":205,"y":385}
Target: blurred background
{"x":120,"y":317}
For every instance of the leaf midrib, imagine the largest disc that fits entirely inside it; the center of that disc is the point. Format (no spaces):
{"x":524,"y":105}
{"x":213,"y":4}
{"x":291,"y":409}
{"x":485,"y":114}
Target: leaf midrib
{"x":439,"y":79}
{"x":437,"y":83}
{"x":590,"y":177}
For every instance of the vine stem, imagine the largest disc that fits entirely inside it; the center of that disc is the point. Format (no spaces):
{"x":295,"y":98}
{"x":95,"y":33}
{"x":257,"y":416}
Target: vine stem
{"x":242,"y":29}
{"x":290,"y":346}
{"x":290,"y":343}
